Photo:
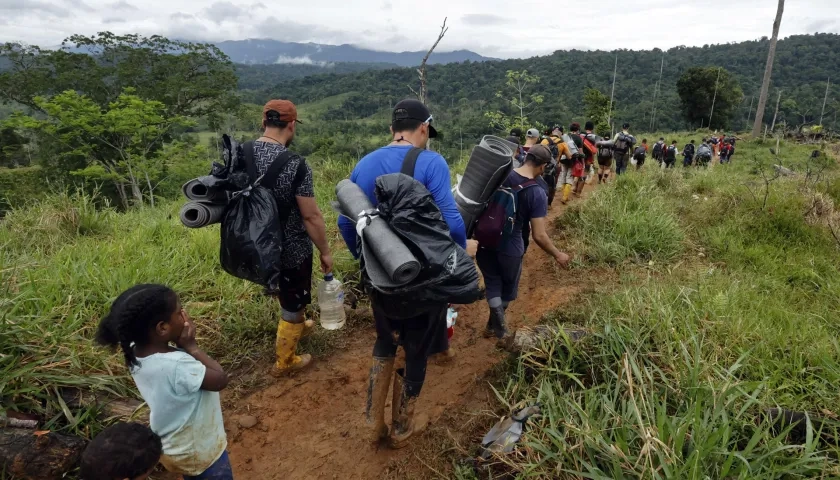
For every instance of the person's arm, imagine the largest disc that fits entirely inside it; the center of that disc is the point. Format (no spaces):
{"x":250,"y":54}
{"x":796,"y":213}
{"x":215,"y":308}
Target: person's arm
{"x":437,"y":181}
{"x":541,"y":238}
{"x":215,"y":378}
{"x":313,"y":220}
{"x":348,"y":233}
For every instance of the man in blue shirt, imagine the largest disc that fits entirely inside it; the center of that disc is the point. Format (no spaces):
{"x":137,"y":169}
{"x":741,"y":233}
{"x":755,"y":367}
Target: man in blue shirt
{"x":419,"y":329}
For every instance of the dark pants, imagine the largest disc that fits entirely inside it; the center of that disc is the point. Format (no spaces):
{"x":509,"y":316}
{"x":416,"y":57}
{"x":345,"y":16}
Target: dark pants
{"x":420,"y":336}
{"x":621,"y":161}
{"x":501,"y":274}
{"x":220,"y":470}
{"x":670,"y":163}
{"x":551,"y":180}
{"x":687,"y":161}
{"x":295,"y":289}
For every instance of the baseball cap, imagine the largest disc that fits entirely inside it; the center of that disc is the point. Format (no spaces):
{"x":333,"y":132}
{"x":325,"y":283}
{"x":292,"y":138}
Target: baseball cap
{"x":540,"y":153}
{"x":625,"y":126}
{"x":286,"y":110}
{"x":532,"y":133}
{"x":410,"y":109}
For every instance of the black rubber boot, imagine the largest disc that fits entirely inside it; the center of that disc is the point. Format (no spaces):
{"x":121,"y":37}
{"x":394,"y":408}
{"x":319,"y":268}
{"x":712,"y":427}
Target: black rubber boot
{"x":497,"y":321}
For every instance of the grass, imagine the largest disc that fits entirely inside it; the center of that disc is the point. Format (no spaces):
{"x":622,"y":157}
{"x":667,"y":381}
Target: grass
{"x":736,"y":315}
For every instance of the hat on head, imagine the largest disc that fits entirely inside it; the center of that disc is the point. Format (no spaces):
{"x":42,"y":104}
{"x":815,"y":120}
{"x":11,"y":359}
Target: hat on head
{"x":284,"y":109}
{"x":410,"y":109}
{"x":516,"y":132}
{"x":541,"y":154}
{"x":532,"y":133}
{"x":557,"y":127}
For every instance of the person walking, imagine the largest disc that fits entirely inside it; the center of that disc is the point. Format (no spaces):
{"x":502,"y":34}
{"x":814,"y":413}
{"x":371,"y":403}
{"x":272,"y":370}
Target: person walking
{"x":590,"y":151}
{"x":688,"y":154}
{"x":622,"y":146}
{"x":605,"y":159}
{"x":502,"y":267}
{"x":640,"y":154}
{"x":659,"y":151}
{"x":304,"y":225}
{"x":554,"y":171}
{"x":419,"y":329}
{"x":671,"y":155}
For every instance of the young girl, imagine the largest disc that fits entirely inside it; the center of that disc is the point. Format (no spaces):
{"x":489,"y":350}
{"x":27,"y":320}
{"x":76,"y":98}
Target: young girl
{"x":180,"y":385}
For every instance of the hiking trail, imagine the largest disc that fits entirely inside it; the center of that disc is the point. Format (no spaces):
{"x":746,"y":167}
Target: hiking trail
{"x":312,"y":425}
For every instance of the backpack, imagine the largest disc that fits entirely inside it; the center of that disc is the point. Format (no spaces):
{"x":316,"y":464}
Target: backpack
{"x":552,"y":147}
{"x":572,"y":143}
{"x":657,"y":150}
{"x":640,"y":153}
{"x":494,"y":228}
{"x":624,"y":142}
{"x":252,"y":227}
{"x":689,"y":150}
{"x":605,"y":152}
{"x":520,"y":155}
{"x":671,"y":153}
{"x":589,"y":148}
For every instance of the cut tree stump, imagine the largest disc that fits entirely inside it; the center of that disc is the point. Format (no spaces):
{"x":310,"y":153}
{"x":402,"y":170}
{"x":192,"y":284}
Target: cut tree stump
{"x":29,"y":455}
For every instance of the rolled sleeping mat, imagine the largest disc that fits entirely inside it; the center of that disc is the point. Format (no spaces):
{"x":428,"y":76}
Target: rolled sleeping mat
{"x":388,"y":262}
{"x":498,"y":145}
{"x":201,"y":214}
{"x":486,"y":170}
{"x":197,"y":191}
{"x":470,"y":214}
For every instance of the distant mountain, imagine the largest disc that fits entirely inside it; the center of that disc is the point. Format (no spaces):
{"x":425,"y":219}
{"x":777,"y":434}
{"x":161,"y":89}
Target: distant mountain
{"x":267,"y":51}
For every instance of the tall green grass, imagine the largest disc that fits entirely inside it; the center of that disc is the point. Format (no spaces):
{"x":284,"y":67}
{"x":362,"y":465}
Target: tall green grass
{"x":686,"y":356}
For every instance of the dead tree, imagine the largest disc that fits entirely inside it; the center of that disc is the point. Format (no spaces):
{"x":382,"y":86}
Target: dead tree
{"x":31,"y":455}
{"x":768,"y":71}
{"x":423,"y":96}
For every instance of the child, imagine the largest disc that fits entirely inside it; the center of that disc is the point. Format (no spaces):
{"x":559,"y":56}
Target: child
{"x":180,"y":385}
{"x":124,"y":451}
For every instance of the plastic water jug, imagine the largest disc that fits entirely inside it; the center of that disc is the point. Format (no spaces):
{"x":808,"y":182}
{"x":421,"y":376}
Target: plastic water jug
{"x":331,"y":303}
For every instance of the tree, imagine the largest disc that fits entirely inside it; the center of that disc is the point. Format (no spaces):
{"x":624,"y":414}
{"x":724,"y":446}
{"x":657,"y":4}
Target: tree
{"x":699,"y":87}
{"x":520,"y":98}
{"x":768,"y":71}
{"x":12,"y":147}
{"x":597,"y":108}
{"x":186,"y":78}
{"x":117,"y":144}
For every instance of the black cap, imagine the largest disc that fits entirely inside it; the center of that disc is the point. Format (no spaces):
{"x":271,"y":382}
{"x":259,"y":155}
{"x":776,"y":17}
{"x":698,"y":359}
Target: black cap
{"x":516,"y":132}
{"x":625,"y":126}
{"x":410,"y":109}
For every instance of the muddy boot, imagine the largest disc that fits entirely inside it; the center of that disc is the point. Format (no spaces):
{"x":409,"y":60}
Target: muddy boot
{"x":445,"y":357}
{"x":377,"y":395}
{"x":567,"y":190}
{"x":488,"y":329}
{"x":497,"y":321}
{"x":405,"y":424}
{"x":579,"y":187}
{"x":288,"y":336}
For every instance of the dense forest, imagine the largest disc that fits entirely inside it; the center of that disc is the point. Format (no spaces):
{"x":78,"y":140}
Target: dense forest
{"x":803,"y":64}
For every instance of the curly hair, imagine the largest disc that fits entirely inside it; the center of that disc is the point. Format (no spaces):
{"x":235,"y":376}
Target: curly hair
{"x":123,"y":450}
{"x":133,"y":314}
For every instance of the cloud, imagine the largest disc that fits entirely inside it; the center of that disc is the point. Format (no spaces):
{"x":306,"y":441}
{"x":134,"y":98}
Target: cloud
{"x":304,"y":60}
{"x":387,"y":6}
{"x":122,"y":5}
{"x":180,"y":16}
{"x":221,"y":11}
{"x":258,"y":6}
{"x":80,"y":5}
{"x":483,"y":19}
{"x":112,"y":20}
{"x":19,"y":8}
{"x":821,"y":25}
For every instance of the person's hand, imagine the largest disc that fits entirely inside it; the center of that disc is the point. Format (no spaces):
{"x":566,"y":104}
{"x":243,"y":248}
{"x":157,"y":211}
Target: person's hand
{"x":563,"y":259}
{"x":326,"y":262}
{"x":186,"y":340}
{"x":472,"y":247}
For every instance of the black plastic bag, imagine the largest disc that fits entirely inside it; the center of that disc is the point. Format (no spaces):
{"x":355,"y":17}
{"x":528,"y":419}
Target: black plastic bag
{"x":252,"y":237}
{"x":448,"y":274}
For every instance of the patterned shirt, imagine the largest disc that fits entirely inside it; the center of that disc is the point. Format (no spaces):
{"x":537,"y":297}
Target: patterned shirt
{"x":297,"y":247}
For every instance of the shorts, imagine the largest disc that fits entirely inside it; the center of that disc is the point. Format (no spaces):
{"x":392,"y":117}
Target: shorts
{"x":605,"y":162}
{"x":295,"y":290}
{"x":501,"y":274}
{"x":220,"y":470}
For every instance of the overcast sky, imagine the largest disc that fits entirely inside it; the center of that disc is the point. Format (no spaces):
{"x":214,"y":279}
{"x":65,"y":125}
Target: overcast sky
{"x":490,"y":27}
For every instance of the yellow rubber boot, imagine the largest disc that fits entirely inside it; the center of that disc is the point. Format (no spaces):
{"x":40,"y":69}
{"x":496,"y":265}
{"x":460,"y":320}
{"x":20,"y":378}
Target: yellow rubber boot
{"x":288,"y":336}
{"x":567,"y":190}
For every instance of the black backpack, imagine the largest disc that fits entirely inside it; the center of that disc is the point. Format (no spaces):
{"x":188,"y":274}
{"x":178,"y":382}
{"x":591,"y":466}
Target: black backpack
{"x":657,"y":149}
{"x":623,"y":143}
{"x":689,"y":150}
{"x":552,"y":147}
{"x":640,"y":153}
{"x":671,"y":153}
{"x":252,"y":229}
{"x":605,"y":152}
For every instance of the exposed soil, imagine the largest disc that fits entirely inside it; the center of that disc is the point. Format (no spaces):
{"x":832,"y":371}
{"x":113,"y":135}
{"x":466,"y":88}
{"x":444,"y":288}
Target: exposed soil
{"x":312,"y":425}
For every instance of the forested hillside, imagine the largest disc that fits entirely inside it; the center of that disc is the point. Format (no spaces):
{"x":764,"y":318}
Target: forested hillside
{"x":803,"y":64}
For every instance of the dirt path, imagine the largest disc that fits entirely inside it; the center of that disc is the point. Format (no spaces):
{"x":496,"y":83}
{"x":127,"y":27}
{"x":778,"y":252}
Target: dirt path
{"x":312,"y":425}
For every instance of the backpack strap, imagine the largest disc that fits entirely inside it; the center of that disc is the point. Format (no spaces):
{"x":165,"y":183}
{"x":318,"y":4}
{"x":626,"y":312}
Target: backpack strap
{"x":250,"y":164}
{"x":410,"y":161}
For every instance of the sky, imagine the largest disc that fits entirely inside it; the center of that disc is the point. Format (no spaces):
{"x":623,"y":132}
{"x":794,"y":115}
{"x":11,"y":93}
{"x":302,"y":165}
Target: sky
{"x":494,"y":28}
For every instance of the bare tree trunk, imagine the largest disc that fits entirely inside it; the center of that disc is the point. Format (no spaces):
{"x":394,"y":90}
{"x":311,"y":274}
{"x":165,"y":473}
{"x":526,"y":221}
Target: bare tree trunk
{"x":768,"y":71}
{"x":121,"y":191}
{"x":424,"y":92}
{"x":151,"y":190}
{"x":612,"y":94}
{"x":714,"y":99}
{"x":776,"y":113}
{"x":656,"y":94}
{"x":825,"y":99}
{"x":749,"y":111}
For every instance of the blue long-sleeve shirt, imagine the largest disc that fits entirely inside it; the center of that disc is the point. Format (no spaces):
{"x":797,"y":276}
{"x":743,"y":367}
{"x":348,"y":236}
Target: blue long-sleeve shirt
{"x":431,"y":170}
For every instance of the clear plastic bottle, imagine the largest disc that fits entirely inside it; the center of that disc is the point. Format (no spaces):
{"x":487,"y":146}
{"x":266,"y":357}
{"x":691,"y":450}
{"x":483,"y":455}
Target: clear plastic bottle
{"x":331,"y":303}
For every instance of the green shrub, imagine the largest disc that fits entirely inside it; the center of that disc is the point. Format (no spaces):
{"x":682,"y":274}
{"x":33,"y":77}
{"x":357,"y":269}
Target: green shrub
{"x":21,"y":185}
